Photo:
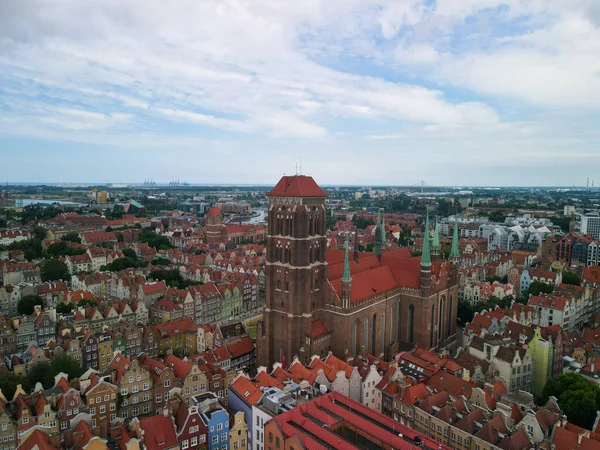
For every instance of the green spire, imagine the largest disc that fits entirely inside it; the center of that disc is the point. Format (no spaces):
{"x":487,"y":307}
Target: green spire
{"x":383,"y":231}
{"x":426,"y":254}
{"x":346,"y":276}
{"x":378,"y":217}
{"x":435,"y":246}
{"x":454,"y":251}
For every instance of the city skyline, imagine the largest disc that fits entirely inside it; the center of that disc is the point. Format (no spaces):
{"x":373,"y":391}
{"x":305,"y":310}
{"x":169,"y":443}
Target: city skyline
{"x":494,"y":93}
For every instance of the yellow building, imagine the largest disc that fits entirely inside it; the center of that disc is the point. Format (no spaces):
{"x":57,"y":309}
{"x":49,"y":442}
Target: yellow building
{"x":238,"y":433}
{"x":105,"y":351}
{"x":100,"y":196}
{"x":541,"y":352}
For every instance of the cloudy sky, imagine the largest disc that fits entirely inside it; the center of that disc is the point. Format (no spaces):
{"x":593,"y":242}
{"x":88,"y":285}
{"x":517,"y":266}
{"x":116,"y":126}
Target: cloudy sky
{"x":453,"y":92}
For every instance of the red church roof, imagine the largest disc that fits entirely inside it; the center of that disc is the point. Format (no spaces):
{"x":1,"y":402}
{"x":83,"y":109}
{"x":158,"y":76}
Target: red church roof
{"x":214,"y":212}
{"x":296,"y":186}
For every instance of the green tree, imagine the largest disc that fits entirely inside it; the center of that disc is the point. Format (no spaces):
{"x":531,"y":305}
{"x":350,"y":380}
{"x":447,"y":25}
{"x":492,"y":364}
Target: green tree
{"x":161,"y":262}
{"x":66,"y":364}
{"x":362,"y":222}
{"x":53,"y":270}
{"x":58,"y":249}
{"x":39,"y":233}
{"x":536,"y":288}
{"x":40,"y":373}
{"x":72,"y":236}
{"x":578,"y":398}
{"x":9,"y":383}
{"x":497,"y":216}
{"x":64,"y":308}
{"x":465,"y":312}
{"x":570,"y":278}
{"x":124,"y":263}
{"x":27,"y":304}
{"x":130,"y":253}
{"x":153,"y":240}
{"x":45,"y":372}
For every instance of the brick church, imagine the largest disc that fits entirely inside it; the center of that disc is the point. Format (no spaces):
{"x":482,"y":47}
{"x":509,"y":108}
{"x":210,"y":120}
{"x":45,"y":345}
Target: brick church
{"x":319,"y":300}
{"x":216,"y":231}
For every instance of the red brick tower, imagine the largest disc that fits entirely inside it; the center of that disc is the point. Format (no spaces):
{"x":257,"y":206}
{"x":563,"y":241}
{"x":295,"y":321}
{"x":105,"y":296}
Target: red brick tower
{"x":296,"y":269}
{"x":215,"y":230}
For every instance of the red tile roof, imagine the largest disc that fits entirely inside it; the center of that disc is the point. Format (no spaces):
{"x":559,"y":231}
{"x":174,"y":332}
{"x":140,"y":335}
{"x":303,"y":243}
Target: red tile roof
{"x":37,"y":440}
{"x":99,"y":236}
{"x":154,"y":288}
{"x":214,"y":212}
{"x":318,"y":329}
{"x":414,"y":394}
{"x":263,"y":379}
{"x":335,"y":408}
{"x":243,"y":347}
{"x":299,"y":373}
{"x":455,"y":386}
{"x":159,"y":432}
{"x":296,"y":186}
{"x":246,"y":390}
{"x":181,"y":368}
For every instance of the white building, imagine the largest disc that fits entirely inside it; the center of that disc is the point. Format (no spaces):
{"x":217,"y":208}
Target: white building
{"x":591,"y":225}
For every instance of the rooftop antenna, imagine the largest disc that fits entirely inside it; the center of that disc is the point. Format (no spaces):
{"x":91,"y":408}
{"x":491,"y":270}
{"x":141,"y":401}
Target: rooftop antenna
{"x":296,"y":168}
{"x":300,"y":166}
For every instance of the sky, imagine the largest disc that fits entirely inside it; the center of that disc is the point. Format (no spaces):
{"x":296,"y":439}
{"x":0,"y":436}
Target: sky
{"x":363,"y":92}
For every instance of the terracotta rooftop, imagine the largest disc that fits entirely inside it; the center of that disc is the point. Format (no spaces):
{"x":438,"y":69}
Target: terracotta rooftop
{"x":297,"y":186}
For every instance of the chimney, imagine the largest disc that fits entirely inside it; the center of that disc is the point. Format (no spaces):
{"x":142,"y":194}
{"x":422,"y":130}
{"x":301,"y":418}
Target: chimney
{"x":238,"y":330}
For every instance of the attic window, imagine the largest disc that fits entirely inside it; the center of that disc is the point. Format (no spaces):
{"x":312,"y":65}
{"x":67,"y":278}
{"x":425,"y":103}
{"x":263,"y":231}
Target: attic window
{"x":247,"y":394}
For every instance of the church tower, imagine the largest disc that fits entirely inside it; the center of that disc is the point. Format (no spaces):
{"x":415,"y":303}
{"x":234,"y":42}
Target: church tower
{"x":435,"y":245}
{"x":454,"y":253}
{"x":346,"y":281}
{"x":296,"y":269}
{"x":377,"y":241}
{"x":356,"y":248}
{"x":426,"y":261}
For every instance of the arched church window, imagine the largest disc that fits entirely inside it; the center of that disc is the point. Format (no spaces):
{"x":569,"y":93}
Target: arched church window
{"x":432,"y":326}
{"x":450,"y":317}
{"x":411,"y":323}
{"x":440,"y":320}
{"x":391,"y":325}
{"x":353,"y":338}
{"x":399,"y":322}
{"x":374,"y":335}
{"x":383,"y":329}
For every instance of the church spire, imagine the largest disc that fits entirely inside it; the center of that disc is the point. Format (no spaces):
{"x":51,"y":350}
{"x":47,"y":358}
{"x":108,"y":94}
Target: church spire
{"x":346,"y":280}
{"x":454,"y":254}
{"x":383,"y":231}
{"x":346,"y":277}
{"x":356,"y":245}
{"x":377,"y":244}
{"x":426,"y":254}
{"x":435,"y":245}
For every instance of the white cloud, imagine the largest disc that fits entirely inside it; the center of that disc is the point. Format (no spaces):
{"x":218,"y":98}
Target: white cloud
{"x":324,"y":71}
